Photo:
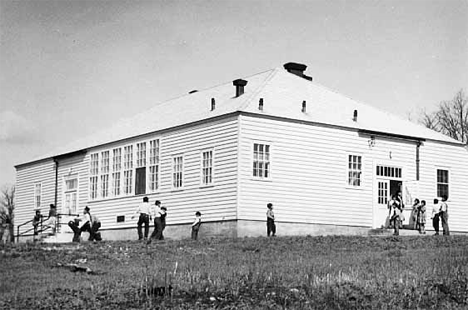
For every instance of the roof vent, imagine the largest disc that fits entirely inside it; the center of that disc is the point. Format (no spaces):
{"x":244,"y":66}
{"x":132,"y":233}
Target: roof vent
{"x":304,"y":106}
{"x":193,"y":91}
{"x":355,"y":116}
{"x":297,"y":69}
{"x":213,"y":104}
{"x":260,"y":104}
{"x":239,"y":84}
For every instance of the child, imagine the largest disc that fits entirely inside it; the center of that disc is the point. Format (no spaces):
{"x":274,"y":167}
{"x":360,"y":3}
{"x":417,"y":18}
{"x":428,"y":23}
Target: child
{"x":196,"y":225}
{"x":36,"y":221}
{"x":415,"y":213}
{"x":421,"y":219}
{"x":52,"y":219}
{"x":271,"y":227}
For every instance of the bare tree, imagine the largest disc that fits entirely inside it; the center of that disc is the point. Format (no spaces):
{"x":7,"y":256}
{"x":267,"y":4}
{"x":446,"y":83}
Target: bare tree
{"x":7,"y":211}
{"x":451,"y":118}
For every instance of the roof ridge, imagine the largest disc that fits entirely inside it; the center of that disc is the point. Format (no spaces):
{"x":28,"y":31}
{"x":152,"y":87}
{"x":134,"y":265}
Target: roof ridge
{"x":247,"y":102}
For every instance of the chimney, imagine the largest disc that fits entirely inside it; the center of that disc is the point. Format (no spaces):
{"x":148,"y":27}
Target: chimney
{"x":213,"y":104}
{"x":304,"y":106}
{"x":193,"y":91}
{"x":297,"y":69}
{"x":260,"y":104}
{"x":355,"y":116}
{"x":239,"y":84}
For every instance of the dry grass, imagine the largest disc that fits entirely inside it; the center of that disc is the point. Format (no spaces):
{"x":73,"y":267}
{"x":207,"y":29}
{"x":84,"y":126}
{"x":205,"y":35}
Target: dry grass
{"x":251,"y":273}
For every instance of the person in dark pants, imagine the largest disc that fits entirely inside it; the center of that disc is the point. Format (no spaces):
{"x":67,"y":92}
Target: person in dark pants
{"x":435,"y":216}
{"x":36,"y":221}
{"x":95,"y":235}
{"x":163,"y":222}
{"x":196,"y":225}
{"x":443,"y":214}
{"x":144,"y":212}
{"x":158,"y":224}
{"x":271,"y":227}
{"x":85,"y":226}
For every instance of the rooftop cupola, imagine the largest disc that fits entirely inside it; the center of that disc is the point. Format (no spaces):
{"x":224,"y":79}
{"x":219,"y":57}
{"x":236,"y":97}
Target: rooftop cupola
{"x":239,"y":84}
{"x":297,"y":69}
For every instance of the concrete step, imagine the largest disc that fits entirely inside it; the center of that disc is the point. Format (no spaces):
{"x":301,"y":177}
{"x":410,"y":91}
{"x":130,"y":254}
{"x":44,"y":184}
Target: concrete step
{"x":62,"y":237}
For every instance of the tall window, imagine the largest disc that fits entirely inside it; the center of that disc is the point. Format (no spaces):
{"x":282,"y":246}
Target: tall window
{"x":442,"y":183}
{"x":37,"y":195}
{"x":354,"y":170}
{"x":154,"y":165}
{"x":116,"y":168}
{"x":207,"y":167}
{"x":177,"y":171}
{"x":70,"y":195}
{"x":93,"y":179}
{"x":261,"y":160}
{"x":105,"y":174}
{"x":128,"y":169}
{"x":140,"y":171}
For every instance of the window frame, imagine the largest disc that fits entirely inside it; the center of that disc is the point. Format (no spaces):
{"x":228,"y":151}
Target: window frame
{"x":437,"y":183}
{"x":66,"y":191}
{"x":173,"y":172}
{"x":93,"y":176}
{"x":202,"y":167}
{"x":270,"y":160}
{"x":36,"y":207}
{"x":348,"y":170}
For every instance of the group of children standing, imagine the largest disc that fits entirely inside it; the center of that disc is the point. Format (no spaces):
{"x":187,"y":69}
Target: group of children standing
{"x":439,"y":213}
{"x":146,"y":212}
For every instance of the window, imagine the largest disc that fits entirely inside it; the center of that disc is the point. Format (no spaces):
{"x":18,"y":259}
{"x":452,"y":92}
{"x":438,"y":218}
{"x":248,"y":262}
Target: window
{"x":391,"y":172}
{"x":442,"y":183}
{"x":128,"y":169}
{"x":37,"y":195}
{"x":154,"y":165}
{"x":383,"y":189}
{"x":93,"y":179}
{"x":177,"y":171}
{"x":116,"y":168}
{"x":261,"y":160}
{"x":140,"y":171}
{"x":354,"y":170}
{"x":105,"y":174}
{"x":207,"y":167}
{"x":70,"y":195}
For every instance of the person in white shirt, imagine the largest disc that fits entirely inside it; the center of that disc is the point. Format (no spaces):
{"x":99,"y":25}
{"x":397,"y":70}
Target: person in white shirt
{"x":443,"y":214}
{"x":144,"y":213}
{"x":271,"y":227}
{"x":158,"y":224}
{"x":85,"y":225}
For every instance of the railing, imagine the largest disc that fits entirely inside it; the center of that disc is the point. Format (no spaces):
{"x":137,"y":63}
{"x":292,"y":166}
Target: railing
{"x":41,"y":227}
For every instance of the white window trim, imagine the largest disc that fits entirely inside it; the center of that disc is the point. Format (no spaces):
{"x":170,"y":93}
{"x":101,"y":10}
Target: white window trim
{"x":172,"y":172}
{"x":213,"y":179}
{"x":35,"y":197}
{"x":436,"y":182}
{"x":98,"y":175}
{"x":270,"y":171}
{"x":148,"y":153}
{"x":346,"y":170}
{"x":64,"y":190}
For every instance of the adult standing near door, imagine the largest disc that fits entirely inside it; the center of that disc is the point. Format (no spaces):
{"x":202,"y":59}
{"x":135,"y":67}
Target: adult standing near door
{"x":271,"y":227}
{"x":435,"y":216}
{"x":444,"y":215}
{"x":158,"y":225}
{"x":144,"y":212}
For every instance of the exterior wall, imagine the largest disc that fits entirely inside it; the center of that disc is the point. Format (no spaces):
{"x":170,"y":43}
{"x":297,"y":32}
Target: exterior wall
{"x":216,"y":202}
{"x":26,"y":177}
{"x":308,"y":181}
{"x":454,"y":159}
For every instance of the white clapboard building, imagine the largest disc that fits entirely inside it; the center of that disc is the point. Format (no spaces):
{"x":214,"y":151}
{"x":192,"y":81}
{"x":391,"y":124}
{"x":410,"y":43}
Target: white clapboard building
{"x":327,"y":163}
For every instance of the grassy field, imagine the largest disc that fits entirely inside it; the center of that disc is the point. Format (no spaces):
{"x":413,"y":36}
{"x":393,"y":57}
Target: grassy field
{"x":429,"y":272}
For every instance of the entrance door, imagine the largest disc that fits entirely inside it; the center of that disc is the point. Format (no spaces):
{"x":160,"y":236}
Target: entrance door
{"x":70,"y":201}
{"x":380,"y":204}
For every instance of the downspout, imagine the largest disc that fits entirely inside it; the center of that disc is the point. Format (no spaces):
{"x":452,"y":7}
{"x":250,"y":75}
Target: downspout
{"x":56,"y":181}
{"x":418,"y":144}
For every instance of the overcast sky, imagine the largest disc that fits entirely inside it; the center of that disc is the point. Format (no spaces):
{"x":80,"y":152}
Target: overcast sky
{"x":70,"y":68}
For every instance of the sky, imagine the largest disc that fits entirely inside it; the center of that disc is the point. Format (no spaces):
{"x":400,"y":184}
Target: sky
{"x":71,"y":68}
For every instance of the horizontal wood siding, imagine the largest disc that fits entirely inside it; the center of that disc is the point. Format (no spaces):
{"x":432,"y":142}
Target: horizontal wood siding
{"x":216,"y":202}
{"x":309,"y":172}
{"x":455,"y":159}
{"x":26,"y":178}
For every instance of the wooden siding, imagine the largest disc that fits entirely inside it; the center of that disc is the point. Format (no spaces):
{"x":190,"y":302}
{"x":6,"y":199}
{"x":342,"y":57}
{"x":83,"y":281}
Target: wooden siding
{"x":309,"y":172}
{"x":216,"y":202}
{"x":26,"y":177}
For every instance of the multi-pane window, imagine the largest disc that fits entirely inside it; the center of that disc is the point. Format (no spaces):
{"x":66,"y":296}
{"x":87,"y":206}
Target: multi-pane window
{"x":154,"y":165}
{"x":261,"y":160}
{"x":116,"y":168}
{"x":383,"y":189}
{"x":177,"y":171}
{"x":93,"y":179}
{"x":37,"y":195}
{"x":354,"y":170}
{"x":207,"y":167}
{"x":385,"y":171}
{"x":70,"y":195}
{"x":140,"y":171}
{"x":128,"y":169}
{"x":442,"y":183}
{"x":105,"y":174}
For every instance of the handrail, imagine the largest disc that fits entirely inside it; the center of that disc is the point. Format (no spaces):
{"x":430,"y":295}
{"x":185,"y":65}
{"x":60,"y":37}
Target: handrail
{"x":42,"y":227}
